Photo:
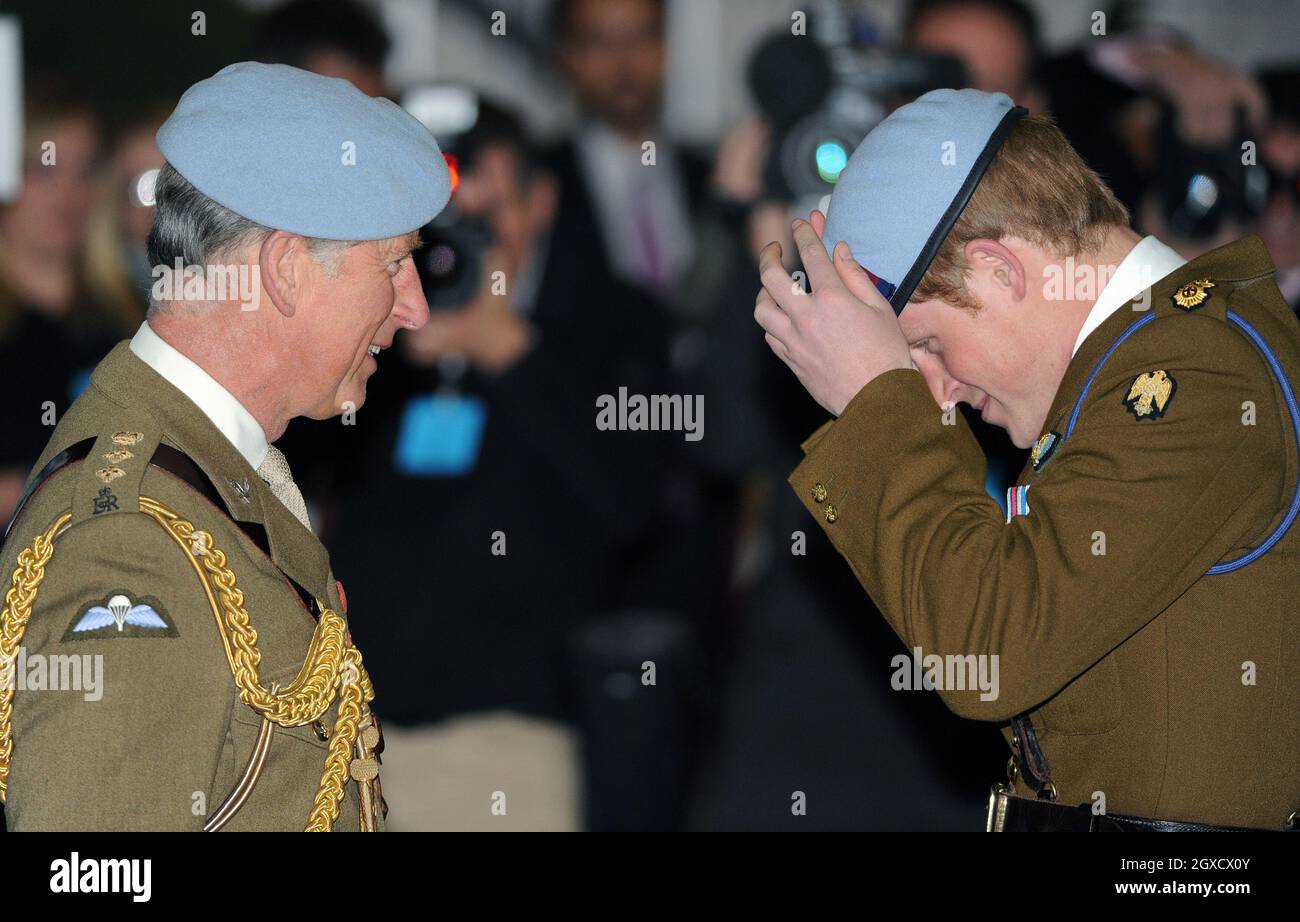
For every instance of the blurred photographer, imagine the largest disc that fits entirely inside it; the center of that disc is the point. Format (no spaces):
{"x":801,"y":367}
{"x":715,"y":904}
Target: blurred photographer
{"x":997,"y":42}
{"x":486,"y":431}
{"x":503,"y":194}
{"x":1189,"y":132}
{"x":1279,"y":152}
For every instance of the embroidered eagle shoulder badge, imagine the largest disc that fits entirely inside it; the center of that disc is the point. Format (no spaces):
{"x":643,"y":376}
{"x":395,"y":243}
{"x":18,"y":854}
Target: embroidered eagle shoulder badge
{"x":1150,"y":394}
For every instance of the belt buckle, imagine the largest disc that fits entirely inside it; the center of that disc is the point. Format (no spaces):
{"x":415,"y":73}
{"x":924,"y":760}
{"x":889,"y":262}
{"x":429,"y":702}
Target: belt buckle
{"x":999,"y":797}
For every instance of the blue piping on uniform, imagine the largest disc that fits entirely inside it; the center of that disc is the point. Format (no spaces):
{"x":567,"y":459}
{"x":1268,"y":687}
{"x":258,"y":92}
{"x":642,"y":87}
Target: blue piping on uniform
{"x":1078,"y":404}
{"x":1250,"y":557}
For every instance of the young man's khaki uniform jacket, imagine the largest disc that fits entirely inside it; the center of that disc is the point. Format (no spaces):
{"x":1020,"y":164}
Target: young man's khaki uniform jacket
{"x":1172,"y":691}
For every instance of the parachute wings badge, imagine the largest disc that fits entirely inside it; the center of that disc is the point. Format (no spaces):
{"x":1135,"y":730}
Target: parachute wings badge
{"x":120,"y":617}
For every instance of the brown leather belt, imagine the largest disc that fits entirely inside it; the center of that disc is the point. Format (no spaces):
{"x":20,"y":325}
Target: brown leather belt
{"x":1011,"y":813}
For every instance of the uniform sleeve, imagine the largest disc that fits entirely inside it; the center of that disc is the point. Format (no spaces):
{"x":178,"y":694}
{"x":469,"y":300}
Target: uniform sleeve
{"x":1127,"y":515}
{"x":125,"y":729}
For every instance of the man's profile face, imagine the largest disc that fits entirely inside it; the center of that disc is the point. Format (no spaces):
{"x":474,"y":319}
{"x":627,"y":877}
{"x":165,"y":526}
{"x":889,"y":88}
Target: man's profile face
{"x":988,"y":359}
{"x":374,"y":292}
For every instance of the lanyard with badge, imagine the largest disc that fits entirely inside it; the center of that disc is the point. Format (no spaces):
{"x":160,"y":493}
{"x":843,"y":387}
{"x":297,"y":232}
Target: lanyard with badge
{"x":440,"y":433}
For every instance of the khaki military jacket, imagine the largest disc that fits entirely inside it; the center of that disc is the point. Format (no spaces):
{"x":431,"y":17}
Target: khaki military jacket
{"x":1151,"y":685}
{"x":228,"y":693}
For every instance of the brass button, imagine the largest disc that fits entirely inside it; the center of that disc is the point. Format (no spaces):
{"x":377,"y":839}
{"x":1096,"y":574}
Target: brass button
{"x":831,"y":513}
{"x":819,"y":492}
{"x":322,"y":733}
{"x":363,"y":769}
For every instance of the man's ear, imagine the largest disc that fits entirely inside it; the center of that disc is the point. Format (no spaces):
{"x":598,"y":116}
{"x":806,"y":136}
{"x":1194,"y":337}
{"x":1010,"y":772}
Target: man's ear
{"x":995,"y":266}
{"x":281,"y":262}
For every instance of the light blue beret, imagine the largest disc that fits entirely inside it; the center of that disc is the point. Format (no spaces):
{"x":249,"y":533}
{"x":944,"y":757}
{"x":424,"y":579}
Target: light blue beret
{"x":909,"y":179}
{"x":299,"y":152}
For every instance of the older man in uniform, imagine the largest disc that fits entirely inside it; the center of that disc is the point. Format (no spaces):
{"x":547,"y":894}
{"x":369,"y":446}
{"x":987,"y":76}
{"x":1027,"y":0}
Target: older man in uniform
{"x":1139,"y":594}
{"x":162,"y":545}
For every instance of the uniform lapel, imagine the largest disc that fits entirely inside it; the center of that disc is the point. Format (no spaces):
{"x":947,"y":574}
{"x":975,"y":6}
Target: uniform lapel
{"x":1085,"y":360}
{"x":125,"y":379}
{"x":295,"y":549}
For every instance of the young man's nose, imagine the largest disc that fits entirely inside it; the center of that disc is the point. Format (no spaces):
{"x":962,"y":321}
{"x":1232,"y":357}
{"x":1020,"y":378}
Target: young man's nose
{"x":953,"y":392}
{"x":946,"y":390}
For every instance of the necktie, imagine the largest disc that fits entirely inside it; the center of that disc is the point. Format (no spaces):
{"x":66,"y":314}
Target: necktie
{"x":652,"y":259}
{"x":275,"y":471}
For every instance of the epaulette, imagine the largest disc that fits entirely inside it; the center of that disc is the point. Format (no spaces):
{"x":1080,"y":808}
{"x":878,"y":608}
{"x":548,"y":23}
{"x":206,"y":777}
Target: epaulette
{"x":106,"y":469}
{"x":108,"y":481}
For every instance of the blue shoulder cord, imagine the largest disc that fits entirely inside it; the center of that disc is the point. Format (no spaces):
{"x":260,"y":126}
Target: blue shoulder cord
{"x":1250,"y":557}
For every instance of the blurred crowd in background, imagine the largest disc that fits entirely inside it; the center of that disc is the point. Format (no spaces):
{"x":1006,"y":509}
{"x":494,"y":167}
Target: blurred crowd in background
{"x":512,"y":569}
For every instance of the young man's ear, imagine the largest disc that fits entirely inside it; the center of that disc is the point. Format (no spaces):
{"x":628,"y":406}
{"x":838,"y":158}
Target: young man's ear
{"x":996,"y":266}
{"x":281,"y":262}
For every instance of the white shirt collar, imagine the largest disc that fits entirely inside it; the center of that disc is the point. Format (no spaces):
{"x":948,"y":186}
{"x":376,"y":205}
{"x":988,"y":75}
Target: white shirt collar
{"x":1147,"y":263}
{"x":217,"y":403}
{"x":628,"y":196}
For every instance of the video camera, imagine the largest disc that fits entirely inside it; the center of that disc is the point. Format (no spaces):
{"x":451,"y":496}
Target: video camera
{"x":1202,"y":187}
{"x":822,"y":92}
{"x":450,"y":262}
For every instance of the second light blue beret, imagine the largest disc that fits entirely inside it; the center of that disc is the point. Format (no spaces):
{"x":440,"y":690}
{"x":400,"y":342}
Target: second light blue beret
{"x":313,"y":155}
{"x":909,"y":180}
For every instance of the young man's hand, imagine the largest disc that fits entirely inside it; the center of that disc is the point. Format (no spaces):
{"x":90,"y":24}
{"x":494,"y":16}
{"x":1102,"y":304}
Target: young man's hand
{"x":840,"y":337}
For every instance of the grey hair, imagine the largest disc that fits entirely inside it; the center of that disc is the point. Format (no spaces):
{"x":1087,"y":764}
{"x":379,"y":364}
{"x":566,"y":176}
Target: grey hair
{"x":190,"y":226}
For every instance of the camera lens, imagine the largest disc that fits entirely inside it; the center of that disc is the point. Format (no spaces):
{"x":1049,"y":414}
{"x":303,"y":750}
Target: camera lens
{"x":450,"y":262}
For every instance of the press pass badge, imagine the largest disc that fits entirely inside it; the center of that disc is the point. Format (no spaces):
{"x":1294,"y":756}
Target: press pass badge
{"x":440,"y":435}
